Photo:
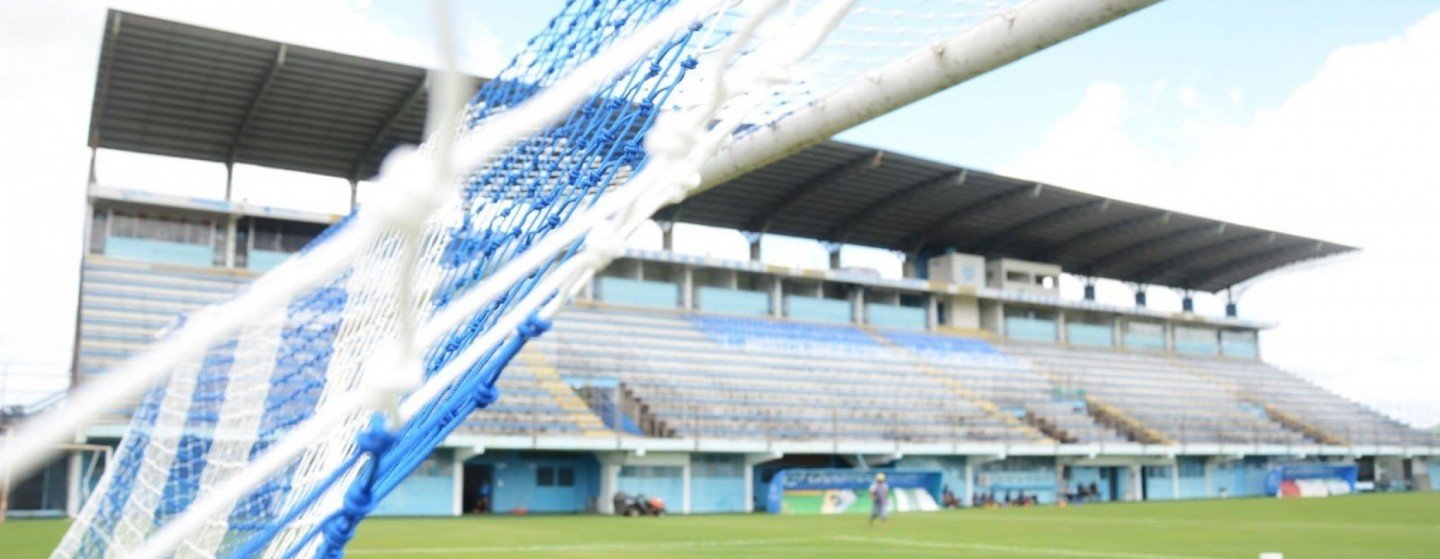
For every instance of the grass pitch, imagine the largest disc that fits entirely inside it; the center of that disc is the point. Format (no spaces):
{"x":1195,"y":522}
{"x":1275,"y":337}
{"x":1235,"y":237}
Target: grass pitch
{"x":1393,"y":526}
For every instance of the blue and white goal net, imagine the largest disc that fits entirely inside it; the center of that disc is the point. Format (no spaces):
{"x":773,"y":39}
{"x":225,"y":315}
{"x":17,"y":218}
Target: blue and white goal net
{"x":271,"y":425}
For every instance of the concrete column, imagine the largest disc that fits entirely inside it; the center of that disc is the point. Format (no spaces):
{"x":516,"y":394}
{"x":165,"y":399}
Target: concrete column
{"x":73,"y":498}
{"x":1175,"y":479}
{"x":229,"y":181}
{"x":609,"y":482}
{"x":969,"y":493}
{"x":1137,"y":483}
{"x":857,"y":305}
{"x":687,"y":288}
{"x":231,"y":228}
{"x":685,"y":487}
{"x":932,"y":312}
{"x":1118,"y":338}
{"x":1209,"y":483}
{"x":457,"y":473}
{"x":777,"y":297}
{"x":1169,"y":336}
{"x":667,"y":235}
{"x":1060,"y":333}
{"x":588,"y":291}
{"x":354,"y":192}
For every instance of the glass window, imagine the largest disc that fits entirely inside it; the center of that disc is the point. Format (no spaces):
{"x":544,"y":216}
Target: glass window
{"x":565,"y":476}
{"x":545,"y":476}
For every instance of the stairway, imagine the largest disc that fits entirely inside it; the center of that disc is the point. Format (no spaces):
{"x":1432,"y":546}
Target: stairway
{"x":548,"y":377}
{"x":1295,"y":424}
{"x":1122,"y":423}
{"x":1273,"y":413}
{"x":959,"y":390}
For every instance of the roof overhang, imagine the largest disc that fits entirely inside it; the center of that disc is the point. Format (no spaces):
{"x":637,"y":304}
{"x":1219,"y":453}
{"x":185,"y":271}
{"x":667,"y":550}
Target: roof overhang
{"x":179,"y":90}
{"x":845,"y":193}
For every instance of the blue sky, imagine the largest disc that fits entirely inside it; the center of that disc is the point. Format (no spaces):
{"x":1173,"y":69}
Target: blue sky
{"x":1313,"y":117}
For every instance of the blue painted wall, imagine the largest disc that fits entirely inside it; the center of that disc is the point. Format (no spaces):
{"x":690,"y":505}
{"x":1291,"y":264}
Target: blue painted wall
{"x":733,"y":301}
{"x":664,"y":482}
{"x":1091,"y":474}
{"x":817,"y":309}
{"x":639,"y":293}
{"x":160,"y":252}
{"x":1021,"y":328}
{"x":717,"y":483}
{"x":264,"y":260}
{"x":429,"y":491}
{"x":1241,"y":478}
{"x":1160,"y":487}
{"x":1434,"y":467}
{"x":895,"y":316}
{"x":516,"y":485}
{"x":1089,"y":334}
{"x":1033,"y":475}
{"x":952,"y":471}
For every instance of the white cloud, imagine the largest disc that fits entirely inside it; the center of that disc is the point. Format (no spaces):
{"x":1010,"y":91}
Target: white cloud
{"x":48,"y":54}
{"x":1347,"y":157}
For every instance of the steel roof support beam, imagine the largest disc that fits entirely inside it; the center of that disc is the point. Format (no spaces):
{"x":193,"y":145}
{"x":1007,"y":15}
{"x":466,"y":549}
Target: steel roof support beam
{"x":103,"y":89}
{"x":848,"y":225}
{"x":1040,"y":222}
{"x":416,"y":94}
{"x":1239,"y":263}
{"x":1171,"y":263}
{"x":1138,"y":247}
{"x":831,"y":176}
{"x":922,"y":236}
{"x":254,"y":105}
{"x":1122,"y":226}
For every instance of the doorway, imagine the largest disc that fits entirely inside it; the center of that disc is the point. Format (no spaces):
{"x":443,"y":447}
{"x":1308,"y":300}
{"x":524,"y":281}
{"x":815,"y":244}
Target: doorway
{"x":474,"y":500}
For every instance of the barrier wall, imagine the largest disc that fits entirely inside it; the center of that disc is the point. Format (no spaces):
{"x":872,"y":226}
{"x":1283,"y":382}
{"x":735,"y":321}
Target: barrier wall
{"x":665,"y":482}
{"x":895,"y":316}
{"x":264,"y":260}
{"x":429,"y":491}
{"x":1089,"y":334}
{"x":732,"y":301}
{"x":1021,"y":328}
{"x":639,"y":293}
{"x":717,"y":483}
{"x":817,"y":309}
{"x":846,"y":491}
{"x":160,"y":252}
{"x":518,"y":481}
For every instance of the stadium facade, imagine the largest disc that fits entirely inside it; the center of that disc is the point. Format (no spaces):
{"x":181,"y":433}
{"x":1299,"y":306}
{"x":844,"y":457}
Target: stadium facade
{"x":698,"y":379}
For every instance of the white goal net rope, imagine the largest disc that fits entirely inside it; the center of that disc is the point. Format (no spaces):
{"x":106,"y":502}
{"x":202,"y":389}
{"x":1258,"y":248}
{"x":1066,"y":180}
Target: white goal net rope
{"x":272,"y":424}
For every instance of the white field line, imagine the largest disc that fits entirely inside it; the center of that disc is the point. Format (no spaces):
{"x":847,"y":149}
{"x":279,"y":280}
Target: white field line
{"x":1158,"y":522}
{"x":684,"y":544}
{"x":1028,"y":550}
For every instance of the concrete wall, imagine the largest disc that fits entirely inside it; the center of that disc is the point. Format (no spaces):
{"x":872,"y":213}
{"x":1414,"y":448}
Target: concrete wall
{"x":1001,"y":272}
{"x":515,"y":475}
{"x":429,"y":491}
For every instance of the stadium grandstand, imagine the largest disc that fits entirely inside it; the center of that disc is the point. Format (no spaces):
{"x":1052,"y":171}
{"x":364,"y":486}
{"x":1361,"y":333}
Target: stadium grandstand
{"x":698,"y":379}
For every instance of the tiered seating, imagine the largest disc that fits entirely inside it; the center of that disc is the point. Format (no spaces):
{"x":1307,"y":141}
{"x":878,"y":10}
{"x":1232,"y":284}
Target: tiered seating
{"x":524,"y":408}
{"x":124,"y":305}
{"x":993,"y":376}
{"x":1160,"y":392}
{"x":1347,"y":421}
{"x":712,"y":376}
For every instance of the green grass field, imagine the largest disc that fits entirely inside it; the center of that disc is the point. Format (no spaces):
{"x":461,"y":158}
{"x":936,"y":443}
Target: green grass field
{"x":1391,"y":526}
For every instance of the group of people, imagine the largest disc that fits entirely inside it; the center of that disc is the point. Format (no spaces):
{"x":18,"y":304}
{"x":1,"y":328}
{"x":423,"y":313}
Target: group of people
{"x":1083,"y":493}
{"x":988,"y":500}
